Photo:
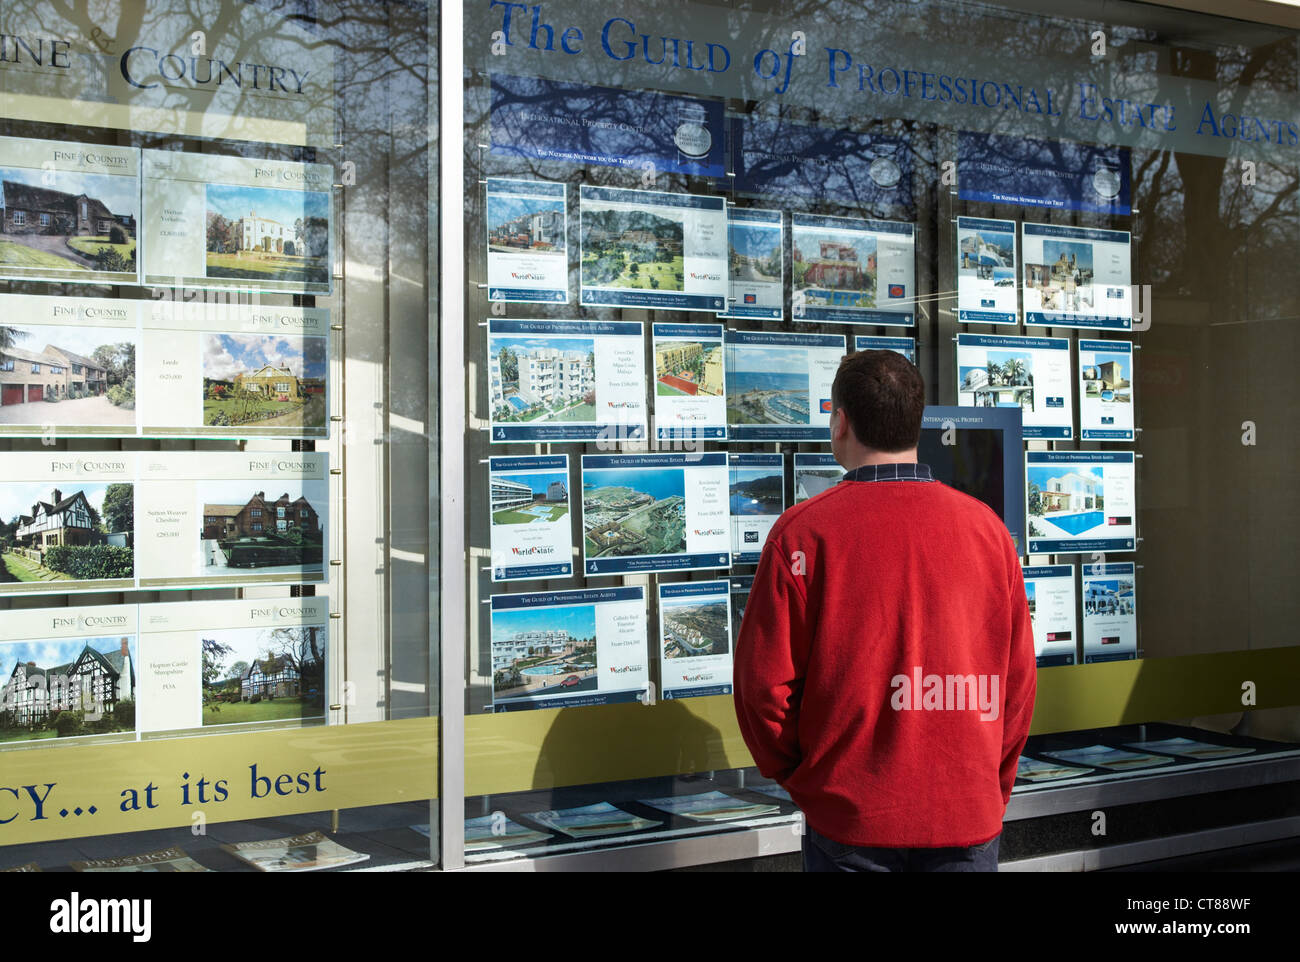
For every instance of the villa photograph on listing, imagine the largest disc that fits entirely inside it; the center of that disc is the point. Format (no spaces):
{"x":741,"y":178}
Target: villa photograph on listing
{"x":263,"y":674}
{"x":245,"y":529}
{"x":264,"y":380}
{"x":531,"y":530}
{"x":60,"y":688}
{"x":1080,"y":501}
{"x":63,"y":224}
{"x":545,"y":651}
{"x":265,"y":233}
{"x":66,"y":376}
{"x":54,"y":536}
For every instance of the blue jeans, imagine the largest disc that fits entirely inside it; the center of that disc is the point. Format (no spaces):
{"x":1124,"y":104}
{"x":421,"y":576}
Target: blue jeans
{"x":821,"y":854}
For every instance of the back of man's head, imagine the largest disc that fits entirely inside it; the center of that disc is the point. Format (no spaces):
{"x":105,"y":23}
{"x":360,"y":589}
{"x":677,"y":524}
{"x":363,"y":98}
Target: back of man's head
{"x":883,"y":397}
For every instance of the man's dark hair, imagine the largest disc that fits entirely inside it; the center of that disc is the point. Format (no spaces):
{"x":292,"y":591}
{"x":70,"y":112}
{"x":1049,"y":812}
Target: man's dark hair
{"x":883,"y":396}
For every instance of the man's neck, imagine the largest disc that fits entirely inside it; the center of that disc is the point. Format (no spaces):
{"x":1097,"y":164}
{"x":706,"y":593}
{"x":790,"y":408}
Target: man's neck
{"x":867,"y":456}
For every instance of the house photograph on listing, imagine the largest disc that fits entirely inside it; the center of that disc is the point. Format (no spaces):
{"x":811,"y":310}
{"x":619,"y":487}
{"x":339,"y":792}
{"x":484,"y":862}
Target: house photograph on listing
{"x":67,"y":687}
{"x":244,"y":529}
{"x":55,"y":375}
{"x":87,"y":224}
{"x":267,"y":380}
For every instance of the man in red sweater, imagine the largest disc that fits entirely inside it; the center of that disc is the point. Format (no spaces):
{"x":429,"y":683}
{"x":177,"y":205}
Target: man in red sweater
{"x":885,"y":672}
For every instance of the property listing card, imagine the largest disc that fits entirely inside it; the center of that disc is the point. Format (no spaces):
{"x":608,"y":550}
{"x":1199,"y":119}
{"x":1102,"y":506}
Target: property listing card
{"x":532,"y":529}
{"x":757,"y":500}
{"x":1029,"y":373}
{"x":212,"y":369}
{"x":250,"y":663}
{"x":559,"y":649}
{"x":231,"y":518}
{"x":756,"y":257}
{"x":70,"y":212}
{"x":235,"y":222}
{"x":1050,"y":590}
{"x":66,"y":522}
{"x":69,"y":672}
{"x":986,"y":271}
{"x":566,"y":380}
{"x":695,"y":638}
{"x":1109,"y":612}
{"x":644,"y":248}
{"x":905,"y":346}
{"x":690,"y":381}
{"x":1080,"y":501}
{"x":1106,"y":390}
{"x":67,"y":367}
{"x":814,"y":473}
{"x":654,"y":512}
{"x":853,"y":271}
{"x":1077,"y":277}
{"x":779,"y":385}
{"x":527,"y":241}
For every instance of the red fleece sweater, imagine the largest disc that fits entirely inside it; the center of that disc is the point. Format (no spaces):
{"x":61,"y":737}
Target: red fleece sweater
{"x":863,"y":585}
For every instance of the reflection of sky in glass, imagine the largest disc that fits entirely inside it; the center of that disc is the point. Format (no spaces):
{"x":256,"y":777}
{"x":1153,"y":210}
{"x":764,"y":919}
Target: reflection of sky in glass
{"x":809,"y":242}
{"x":502,"y":209}
{"x":752,"y":240}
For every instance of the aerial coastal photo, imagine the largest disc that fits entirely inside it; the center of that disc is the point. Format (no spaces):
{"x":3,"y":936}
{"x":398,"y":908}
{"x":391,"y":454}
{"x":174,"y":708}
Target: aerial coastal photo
{"x":629,"y":511}
{"x":767,"y":385}
{"x":693,"y":628}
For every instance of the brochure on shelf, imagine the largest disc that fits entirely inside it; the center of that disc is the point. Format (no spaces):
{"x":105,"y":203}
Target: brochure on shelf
{"x":532,"y":528}
{"x":905,"y":346}
{"x":779,"y":385}
{"x":756,"y":261}
{"x":740,"y":587}
{"x":646,"y":248}
{"x":253,"y":663}
{"x":1035,"y":770}
{"x":1109,"y":612}
{"x":1058,"y":174}
{"x":710,"y":807}
{"x":550,"y":120}
{"x":772,"y":791}
{"x":71,"y":211}
{"x":222,"y":519}
{"x":1111,"y":759}
{"x":527,"y":241}
{"x":1080,"y":501}
{"x":490,"y":833}
{"x":814,"y":473}
{"x":654,"y":512}
{"x":757,"y":498}
{"x":1051,"y":593}
{"x":1106,"y":390}
{"x":591,"y":821}
{"x":1188,"y":748}
{"x":559,"y":649}
{"x":566,"y":380}
{"x":986,"y":271}
{"x":75,"y":530}
{"x":690,"y":384}
{"x":214,"y":369}
{"x":849,"y":270}
{"x":1077,"y":277}
{"x":69,"y":674}
{"x":309,"y":852}
{"x":695,"y":651}
{"x":171,"y":859}
{"x":213,"y":221}
{"x":1029,"y":373}
{"x":820,"y":164}
{"x":66,"y":369}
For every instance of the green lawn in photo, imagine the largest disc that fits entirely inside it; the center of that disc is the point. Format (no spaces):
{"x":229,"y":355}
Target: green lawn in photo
{"x":19,"y":735}
{"x":267,"y":709}
{"x":269,"y":267}
{"x":17,"y":255}
{"x":664,"y":272}
{"x":664,"y":390}
{"x":268,"y":410}
{"x":90,"y":246}
{"x":511,"y":516}
{"x":579,"y":412}
{"x":24,"y":569}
